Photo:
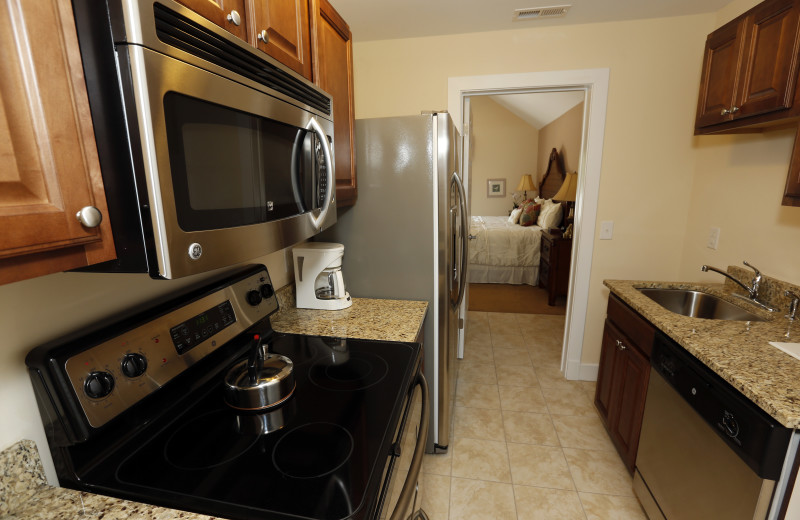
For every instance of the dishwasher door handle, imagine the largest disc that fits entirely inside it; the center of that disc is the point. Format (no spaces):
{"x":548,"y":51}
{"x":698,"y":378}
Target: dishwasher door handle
{"x":409,"y":486}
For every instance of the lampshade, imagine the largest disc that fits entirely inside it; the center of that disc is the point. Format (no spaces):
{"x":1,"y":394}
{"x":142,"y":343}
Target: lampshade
{"x":525,"y":183}
{"x":568,"y":189}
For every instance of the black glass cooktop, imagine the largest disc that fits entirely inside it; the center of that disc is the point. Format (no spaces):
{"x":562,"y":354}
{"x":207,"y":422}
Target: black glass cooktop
{"x":324,"y":460}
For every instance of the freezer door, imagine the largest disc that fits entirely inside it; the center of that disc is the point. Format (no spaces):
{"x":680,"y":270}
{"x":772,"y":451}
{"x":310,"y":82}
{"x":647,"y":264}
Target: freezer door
{"x":454,"y":224}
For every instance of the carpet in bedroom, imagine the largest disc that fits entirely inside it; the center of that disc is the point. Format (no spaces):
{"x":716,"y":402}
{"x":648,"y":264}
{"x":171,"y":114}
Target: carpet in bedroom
{"x":523,"y":299}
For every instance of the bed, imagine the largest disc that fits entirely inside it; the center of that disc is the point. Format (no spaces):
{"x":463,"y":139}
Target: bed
{"x":505,"y":252}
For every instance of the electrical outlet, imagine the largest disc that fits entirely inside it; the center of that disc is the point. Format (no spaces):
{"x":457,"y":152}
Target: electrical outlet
{"x":606,"y":229}
{"x":713,"y":238}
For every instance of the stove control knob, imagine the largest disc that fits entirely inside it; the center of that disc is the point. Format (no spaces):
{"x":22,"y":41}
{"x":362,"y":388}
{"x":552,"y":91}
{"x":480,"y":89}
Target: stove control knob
{"x":266,"y":290}
{"x":133,"y":365}
{"x":253,"y":297}
{"x":98,"y":384}
{"x":730,"y":424}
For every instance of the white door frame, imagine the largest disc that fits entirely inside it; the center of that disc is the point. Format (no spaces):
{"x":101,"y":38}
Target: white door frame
{"x":594,"y":82}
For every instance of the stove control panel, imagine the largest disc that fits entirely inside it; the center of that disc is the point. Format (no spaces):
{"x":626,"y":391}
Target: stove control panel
{"x":113,"y":375}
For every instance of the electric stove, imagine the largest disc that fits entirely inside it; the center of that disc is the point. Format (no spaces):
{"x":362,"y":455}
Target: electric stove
{"x":135,"y":409}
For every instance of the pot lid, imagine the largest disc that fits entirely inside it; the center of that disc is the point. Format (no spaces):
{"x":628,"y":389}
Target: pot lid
{"x":272,"y":371}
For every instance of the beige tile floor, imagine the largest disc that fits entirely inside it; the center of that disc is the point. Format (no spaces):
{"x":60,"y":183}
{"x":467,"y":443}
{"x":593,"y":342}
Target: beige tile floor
{"x":527,"y":444}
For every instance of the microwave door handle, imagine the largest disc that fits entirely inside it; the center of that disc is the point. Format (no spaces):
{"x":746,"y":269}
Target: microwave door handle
{"x":297,"y":152}
{"x":407,"y":493}
{"x":326,"y":155}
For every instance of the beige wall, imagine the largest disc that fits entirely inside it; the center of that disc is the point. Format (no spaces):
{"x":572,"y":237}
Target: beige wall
{"x":503,"y":147}
{"x":648,"y":156}
{"x":739,"y":181}
{"x":36,"y":311}
{"x":564,"y":134}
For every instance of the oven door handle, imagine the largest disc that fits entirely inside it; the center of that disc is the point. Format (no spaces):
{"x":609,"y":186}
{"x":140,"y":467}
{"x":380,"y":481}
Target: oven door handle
{"x":330,"y":188}
{"x":407,"y":493}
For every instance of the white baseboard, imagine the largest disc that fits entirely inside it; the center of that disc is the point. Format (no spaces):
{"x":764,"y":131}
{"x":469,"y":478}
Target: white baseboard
{"x":577,"y":371}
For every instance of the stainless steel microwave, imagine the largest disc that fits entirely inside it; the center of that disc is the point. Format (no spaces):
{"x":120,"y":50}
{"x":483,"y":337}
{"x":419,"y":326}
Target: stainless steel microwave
{"x":212,"y":153}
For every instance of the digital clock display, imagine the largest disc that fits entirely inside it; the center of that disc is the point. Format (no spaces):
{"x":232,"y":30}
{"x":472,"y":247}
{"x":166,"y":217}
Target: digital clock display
{"x":196,"y":330}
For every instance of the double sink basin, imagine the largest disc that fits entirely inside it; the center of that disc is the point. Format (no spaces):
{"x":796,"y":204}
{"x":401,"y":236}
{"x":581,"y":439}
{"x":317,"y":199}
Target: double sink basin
{"x":696,"y":304}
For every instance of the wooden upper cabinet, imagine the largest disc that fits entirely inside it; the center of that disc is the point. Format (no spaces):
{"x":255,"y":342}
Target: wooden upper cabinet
{"x":49,"y":170}
{"x":750,"y":69}
{"x":228,"y":14}
{"x":720,"y":68}
{"x":333,"y":72}
{"x":770,"y":74}
{"x":281,"y":28}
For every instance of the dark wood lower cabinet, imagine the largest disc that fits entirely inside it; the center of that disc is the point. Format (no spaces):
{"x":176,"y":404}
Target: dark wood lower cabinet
{"x":622,"y":379}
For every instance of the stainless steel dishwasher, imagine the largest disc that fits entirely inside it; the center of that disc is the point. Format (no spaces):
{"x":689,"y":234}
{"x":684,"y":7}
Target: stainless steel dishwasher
{"x":705,"y":451}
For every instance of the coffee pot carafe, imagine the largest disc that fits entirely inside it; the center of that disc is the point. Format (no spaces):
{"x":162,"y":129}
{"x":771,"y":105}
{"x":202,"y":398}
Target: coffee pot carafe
{"x":319,"y":283}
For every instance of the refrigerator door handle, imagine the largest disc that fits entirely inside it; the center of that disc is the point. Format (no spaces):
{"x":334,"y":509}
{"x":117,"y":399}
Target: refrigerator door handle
{"x":462,"y":207}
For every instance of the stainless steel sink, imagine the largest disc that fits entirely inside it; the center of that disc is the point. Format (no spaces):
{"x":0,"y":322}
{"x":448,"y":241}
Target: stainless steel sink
{"x":696,"y":304}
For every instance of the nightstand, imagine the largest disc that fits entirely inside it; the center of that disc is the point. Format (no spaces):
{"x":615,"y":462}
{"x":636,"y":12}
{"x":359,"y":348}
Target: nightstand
{"x":554,"y":265}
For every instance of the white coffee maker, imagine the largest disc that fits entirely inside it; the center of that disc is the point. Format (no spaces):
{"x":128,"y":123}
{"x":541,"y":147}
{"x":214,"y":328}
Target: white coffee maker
{"x":318,"y":276}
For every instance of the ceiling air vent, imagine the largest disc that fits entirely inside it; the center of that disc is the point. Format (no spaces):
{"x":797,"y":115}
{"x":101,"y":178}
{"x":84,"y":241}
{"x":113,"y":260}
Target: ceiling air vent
{"x":530,"y":13}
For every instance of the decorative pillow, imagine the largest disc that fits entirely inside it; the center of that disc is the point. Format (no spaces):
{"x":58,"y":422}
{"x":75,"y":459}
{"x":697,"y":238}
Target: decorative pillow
{"x":553,"y":217}
{"x":514,"y":218}
{"x":530,"y":214}
{"x":547,"y":206}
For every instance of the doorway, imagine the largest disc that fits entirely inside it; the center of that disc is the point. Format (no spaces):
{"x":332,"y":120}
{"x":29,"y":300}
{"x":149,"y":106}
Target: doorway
{"x":594,"y":84}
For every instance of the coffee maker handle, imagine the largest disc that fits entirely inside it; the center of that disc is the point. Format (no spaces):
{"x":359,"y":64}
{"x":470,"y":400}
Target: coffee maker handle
{"x":338,"y":288}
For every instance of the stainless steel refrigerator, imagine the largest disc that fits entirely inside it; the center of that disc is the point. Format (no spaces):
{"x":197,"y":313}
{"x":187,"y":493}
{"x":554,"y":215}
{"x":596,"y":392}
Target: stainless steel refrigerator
{"x":405,"y":238}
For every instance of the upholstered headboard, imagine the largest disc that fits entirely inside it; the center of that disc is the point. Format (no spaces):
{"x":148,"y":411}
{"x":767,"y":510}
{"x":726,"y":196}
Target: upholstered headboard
{"x":553,"y":177}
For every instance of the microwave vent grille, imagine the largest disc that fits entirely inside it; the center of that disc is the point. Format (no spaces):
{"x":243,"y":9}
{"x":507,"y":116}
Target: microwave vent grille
{"x":182,"y":33}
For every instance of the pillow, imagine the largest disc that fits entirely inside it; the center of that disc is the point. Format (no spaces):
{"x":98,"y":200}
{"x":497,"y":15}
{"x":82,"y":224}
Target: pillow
{"x":514,"y":217}
{"x":546,"y":207}
{"x":530,"y":214}
{"x":552,"y":218}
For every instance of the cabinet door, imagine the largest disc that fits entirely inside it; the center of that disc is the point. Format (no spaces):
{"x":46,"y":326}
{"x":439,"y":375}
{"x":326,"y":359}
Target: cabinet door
{"x":605,"y":374}
{"x":49,"y":168}
{"x":721,"y":64}
{"x":791,"y":195}
{"x":281,"y":29}
{"x":333,"y":72}
{"x":225,"y":13}
{"x":770,"y":70}
{"x":631,"y":375}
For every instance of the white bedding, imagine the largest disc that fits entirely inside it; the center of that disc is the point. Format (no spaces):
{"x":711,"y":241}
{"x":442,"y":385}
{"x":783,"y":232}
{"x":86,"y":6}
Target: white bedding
{"x":503,"y":252}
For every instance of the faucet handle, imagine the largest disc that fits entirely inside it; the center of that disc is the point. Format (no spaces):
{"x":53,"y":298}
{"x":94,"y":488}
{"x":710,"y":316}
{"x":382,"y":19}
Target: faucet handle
{"x":758,"y":273}
{"x":793,"y":305}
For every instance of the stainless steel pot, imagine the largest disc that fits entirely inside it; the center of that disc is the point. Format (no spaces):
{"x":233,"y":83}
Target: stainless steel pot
{"x":261,"y":382}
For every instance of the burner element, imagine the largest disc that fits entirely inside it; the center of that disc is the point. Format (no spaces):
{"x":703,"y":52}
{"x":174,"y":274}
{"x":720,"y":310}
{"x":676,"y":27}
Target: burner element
{"x":312,"y":450}
{"x":214,"y":442}
{"x":360,"y":371}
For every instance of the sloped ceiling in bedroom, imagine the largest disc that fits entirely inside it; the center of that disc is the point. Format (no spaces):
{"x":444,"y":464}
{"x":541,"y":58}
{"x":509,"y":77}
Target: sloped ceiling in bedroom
{"x":540,"y":108}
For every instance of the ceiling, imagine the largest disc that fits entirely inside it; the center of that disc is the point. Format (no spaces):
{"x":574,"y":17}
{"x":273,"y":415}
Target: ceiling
{"x":391,"y":19}
{"x":540,"y":108}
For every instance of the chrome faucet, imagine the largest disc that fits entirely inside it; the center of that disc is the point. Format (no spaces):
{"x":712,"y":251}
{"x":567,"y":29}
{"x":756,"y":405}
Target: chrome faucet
{"x":752,"y":289}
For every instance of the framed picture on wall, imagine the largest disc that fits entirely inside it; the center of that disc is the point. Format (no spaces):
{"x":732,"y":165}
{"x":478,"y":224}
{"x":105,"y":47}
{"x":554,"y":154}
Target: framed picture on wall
{"x":496,"y":188}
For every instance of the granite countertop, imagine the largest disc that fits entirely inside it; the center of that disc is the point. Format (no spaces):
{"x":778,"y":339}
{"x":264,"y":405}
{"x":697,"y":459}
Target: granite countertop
{"x":25,"y":495}
{"x":367,"y":318}
{"x":737,"y":351}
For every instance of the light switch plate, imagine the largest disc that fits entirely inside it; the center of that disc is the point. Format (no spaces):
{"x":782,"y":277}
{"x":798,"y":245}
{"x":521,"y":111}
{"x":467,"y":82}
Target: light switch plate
{"x":713,"y":238}
{"x":606,"y":229}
